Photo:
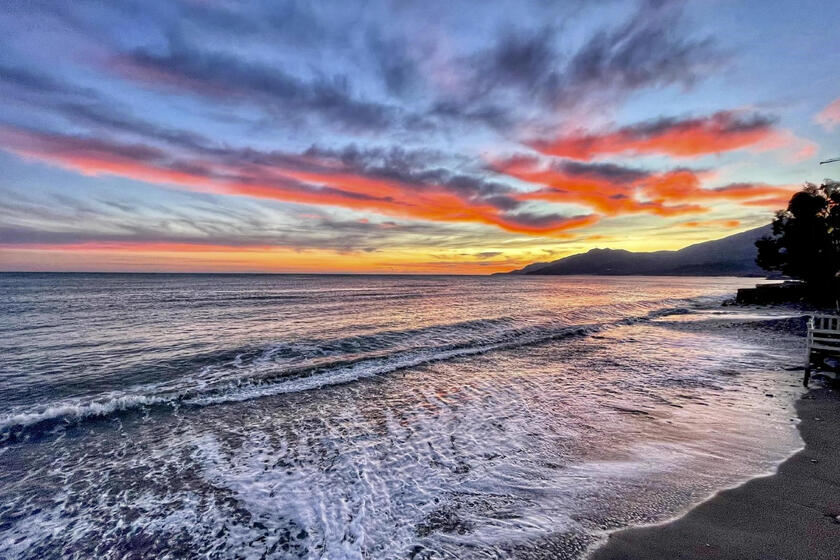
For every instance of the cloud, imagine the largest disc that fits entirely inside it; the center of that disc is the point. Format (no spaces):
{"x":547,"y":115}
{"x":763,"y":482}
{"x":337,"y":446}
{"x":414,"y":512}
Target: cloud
{"x":615,"y":190}
{"x":713,"y":224}
{"x":87,"y":240}
{"x":249,"y":86}
{"x":227,"y":78}
{"x":606,"y":188}
{"x":22,"y":78}
{"x":829,"y":117}
{"x":651,"y":49}
{"x":397,"y":66}
{"x":206,"y":223}
{"x":746,"y":194}
{"x":87,"y":108}
{"x":499,"y":84}
{"x":361,"y":181}
{"x":686,"y":138}
{"x":488,"y":254}
{"x":523,"y":60}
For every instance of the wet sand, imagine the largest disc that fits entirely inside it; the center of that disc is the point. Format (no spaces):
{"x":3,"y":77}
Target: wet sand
{"x":791,"y":515}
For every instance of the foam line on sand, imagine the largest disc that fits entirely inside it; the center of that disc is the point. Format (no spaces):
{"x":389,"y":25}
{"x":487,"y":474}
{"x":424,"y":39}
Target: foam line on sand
{"x":791,"y":515}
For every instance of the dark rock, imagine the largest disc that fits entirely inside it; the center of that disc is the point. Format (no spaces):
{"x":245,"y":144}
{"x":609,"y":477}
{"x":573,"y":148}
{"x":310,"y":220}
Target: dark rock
{"x":771,"y":294}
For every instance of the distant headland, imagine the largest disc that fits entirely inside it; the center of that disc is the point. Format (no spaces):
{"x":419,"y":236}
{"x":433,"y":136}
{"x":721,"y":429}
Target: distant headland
{"x":730,"y":256}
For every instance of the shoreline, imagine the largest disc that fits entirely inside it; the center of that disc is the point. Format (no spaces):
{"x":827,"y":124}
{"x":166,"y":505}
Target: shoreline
{"x":792,"y":514}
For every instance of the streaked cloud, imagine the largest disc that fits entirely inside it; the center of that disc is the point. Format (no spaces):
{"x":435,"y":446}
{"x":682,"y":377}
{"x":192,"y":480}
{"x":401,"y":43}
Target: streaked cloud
{"x":389,"y":186}
{"x":714,"y":224}
{"x":375,"y":130}
{"x":647,"y":50}
{"x":683,"y":138}
{"x":613,"y":190}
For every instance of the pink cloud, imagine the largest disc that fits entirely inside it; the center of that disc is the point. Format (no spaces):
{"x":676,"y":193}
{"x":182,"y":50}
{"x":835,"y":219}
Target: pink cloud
{"x":721,"y":132}
{"x":829,"y":117}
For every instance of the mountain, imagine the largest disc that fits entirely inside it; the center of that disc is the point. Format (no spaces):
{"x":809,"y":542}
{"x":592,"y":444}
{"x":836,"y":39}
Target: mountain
{"x":730,"y":256}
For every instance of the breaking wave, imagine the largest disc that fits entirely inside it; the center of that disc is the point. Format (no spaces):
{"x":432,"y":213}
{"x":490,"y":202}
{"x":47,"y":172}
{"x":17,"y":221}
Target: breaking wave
{"x":303,"y":366}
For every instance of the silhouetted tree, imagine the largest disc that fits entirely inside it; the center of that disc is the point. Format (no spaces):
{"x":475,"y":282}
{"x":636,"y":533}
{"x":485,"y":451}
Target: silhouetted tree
{"x":805,"y":243}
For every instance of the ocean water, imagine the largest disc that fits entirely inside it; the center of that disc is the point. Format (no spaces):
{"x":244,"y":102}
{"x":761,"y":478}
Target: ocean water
{"x":225,"y":416}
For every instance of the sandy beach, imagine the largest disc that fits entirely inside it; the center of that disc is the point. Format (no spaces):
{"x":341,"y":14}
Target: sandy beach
{"x":791,"y":515}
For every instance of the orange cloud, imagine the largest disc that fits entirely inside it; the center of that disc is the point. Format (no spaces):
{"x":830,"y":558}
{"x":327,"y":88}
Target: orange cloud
{"x":606,"y":188}
{"x":615,"y":190}
{"x":306,"y":178}
{"x":829,"y":117}
{"x":772,"y":202}
{"x":727,"y":224}
{"x":721,"y":132}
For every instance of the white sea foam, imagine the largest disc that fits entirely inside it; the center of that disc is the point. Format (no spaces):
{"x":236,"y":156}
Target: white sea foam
{"x":526,"y":450}
{"x":78,"y":410}
{"x":235,"y":381}
{"x":469,"y":459}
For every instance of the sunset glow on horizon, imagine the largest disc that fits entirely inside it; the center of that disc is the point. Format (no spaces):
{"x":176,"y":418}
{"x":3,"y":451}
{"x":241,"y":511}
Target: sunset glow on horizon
{"x":433,"y":138}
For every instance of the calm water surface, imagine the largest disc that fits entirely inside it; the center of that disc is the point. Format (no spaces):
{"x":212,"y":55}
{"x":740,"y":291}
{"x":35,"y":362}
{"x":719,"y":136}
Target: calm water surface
{"x":213,"y":416}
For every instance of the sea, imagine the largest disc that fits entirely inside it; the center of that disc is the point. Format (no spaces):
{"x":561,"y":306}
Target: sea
{"x":376,"y":417}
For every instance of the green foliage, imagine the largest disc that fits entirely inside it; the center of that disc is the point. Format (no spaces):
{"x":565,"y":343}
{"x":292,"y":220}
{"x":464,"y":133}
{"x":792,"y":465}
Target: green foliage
{"x":805,"y":243}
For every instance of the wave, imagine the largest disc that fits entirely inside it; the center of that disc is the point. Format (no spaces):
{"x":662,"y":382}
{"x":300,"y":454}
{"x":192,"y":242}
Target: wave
{"x":13,"y":426}
{"x":246,"y":374}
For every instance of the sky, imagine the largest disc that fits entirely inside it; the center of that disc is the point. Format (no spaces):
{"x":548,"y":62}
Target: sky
{"x":402,"y":137}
